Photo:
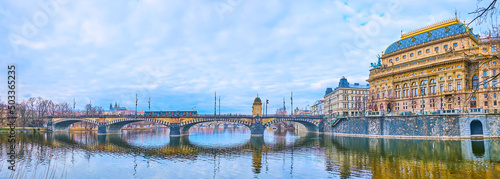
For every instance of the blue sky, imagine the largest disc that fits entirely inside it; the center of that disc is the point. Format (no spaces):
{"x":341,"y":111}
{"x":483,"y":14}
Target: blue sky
{"x":180,"y":52}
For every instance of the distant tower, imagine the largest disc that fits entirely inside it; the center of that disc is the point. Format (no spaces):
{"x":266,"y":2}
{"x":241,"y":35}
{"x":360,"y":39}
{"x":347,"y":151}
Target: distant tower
{"x":257,"y":107}
{"x":110,"y":106}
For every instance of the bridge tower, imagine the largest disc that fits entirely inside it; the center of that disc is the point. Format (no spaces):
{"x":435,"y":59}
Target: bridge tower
{"x":257,"y":107}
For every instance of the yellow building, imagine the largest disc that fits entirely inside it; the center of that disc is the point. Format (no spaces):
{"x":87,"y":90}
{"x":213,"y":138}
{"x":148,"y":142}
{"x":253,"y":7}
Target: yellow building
{"x":257,"y":107}
{"x":443,"y":65}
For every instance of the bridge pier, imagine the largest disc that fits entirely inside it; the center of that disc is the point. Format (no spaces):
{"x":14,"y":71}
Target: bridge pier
{"x":322,"y":126}
{"x":257,"y":129}
{"x":175,"y":130}
{"x":103,"y":129}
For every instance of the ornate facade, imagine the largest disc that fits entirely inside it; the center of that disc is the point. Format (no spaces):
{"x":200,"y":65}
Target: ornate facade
{"x":442,"y":66}
{"x":346,"y":99}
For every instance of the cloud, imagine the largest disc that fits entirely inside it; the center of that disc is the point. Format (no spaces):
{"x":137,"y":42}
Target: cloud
{"x":180,"y":52}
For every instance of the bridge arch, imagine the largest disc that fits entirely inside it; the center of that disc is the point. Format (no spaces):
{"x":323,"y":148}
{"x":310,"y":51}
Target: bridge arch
{"x":65,"y":123}
{"x":117,"y":125}
{"x":185,"y":126}
{"x":310,"y":124}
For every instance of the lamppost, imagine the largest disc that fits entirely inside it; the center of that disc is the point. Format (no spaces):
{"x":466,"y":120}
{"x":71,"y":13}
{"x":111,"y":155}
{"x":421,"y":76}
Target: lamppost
{"x":422,"y":102}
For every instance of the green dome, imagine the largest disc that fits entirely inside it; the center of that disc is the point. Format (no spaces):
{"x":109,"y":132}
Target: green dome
{"x":257,"y":100}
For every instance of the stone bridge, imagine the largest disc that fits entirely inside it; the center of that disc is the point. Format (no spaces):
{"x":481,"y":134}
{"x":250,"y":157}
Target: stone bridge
{"x":180,"y":125}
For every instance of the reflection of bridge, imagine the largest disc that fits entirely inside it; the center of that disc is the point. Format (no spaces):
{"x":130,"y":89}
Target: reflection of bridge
{"x":179,"y":125}
{"x":180,"y":145}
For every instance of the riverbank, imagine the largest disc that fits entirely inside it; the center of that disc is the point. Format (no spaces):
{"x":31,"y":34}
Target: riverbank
{"x":420,"y":127}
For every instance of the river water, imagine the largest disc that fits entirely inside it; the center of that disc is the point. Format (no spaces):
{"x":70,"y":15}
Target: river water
{"x":233,"y":153}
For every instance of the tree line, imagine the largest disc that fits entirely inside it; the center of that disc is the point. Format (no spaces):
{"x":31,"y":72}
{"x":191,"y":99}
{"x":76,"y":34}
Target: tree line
{"x":33,"y":111}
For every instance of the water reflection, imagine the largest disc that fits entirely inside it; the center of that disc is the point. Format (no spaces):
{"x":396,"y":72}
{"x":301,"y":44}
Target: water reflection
{"x":478,"y":148}
{"x":229,"y":152}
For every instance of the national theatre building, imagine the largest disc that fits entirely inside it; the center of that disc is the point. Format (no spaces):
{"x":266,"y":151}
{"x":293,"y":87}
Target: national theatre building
{"x":439,"y":67}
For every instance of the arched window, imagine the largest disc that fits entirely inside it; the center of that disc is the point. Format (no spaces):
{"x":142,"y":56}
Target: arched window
{"x":475,"y":82}
{"x":405,"y":85}
{"x":414,"y":84}
{"x":397,"y":87}
{"x":424,"y":82}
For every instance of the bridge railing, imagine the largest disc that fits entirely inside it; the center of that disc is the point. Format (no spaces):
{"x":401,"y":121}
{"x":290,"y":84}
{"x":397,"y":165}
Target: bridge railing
{"x":185,"y":116}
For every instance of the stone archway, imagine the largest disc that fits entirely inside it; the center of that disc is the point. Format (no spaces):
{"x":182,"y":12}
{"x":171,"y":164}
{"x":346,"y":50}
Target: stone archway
{"x":476,"y":128}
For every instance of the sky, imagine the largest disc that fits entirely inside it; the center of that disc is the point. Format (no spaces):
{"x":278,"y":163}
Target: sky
{"x":179,"y":53}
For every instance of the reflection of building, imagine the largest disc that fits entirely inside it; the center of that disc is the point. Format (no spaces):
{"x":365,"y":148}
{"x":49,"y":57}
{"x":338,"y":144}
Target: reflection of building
{"x":317,"y":108}
{"x":257,"y":107}
{"x":443,"y":66}
{"x":346,"y":99}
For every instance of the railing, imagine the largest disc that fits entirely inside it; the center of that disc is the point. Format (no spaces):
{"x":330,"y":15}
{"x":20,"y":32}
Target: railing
{"x":184,"y":116}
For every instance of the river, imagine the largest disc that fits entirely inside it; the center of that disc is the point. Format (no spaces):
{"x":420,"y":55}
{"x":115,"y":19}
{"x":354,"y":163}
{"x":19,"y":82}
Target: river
{"x":232,"y":153}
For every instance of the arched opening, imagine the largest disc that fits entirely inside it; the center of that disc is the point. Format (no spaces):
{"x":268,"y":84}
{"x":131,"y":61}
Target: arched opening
{"x":476,"y":128}
{"x":475,"y":82}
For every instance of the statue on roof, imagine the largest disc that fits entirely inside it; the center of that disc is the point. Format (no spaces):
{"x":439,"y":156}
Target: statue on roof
{"x":379,"y":63}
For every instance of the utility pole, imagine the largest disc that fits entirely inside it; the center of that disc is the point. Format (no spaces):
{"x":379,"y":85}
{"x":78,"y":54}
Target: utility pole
{"x":267,"y":102}
{"x":291,"y":102}
{"x":149,"y":104}
{"x":215,"y":104}
{"x":284,"y":108}
{"x":136,"y":105}
{"x":219,"y":105}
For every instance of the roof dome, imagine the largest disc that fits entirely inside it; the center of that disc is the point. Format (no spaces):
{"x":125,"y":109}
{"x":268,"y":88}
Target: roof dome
{"x":257,"y":100}
{"x":433,"y":32}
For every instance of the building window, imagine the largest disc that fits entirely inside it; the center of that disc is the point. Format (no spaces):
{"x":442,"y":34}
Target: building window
{"x":485,"y":96}
{"x":411,"y":54}
{"x":485,"y":49}
{"x":436,"y":49}
{"x":404,"y":56}
{"x":494,"y":95}
{"x":419,"y":52}
{"x":475,"y":82}
{"x":449,"y":77}
{"x":485,"y":85}
{"x":486,"y":103}
{"x":459,"y":85}
{"x":390,"y":61}
{"x":494,"y":83}
{"x":494,"y":48}
{"x":428,"y":50}
{"x":455,"y":44}
{"x":445,"y":46}
{"x":450,"y":87}
{"x":485,"y":73}
{"x":494,"y":72}
{"x":397,"y":58}
{"x":458,"y":76}
{"x":441,"y":88}
{"x":495,"y":103}
{"x":441,"y":78}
